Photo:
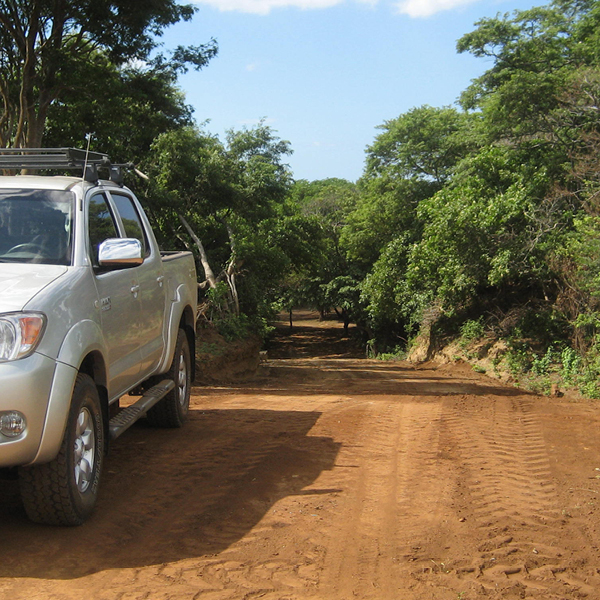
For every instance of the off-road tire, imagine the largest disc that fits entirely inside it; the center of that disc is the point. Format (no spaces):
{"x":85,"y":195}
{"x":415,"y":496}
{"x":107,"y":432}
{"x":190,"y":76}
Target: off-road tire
{"x":173,"y":409}
{"x":64,"y":491}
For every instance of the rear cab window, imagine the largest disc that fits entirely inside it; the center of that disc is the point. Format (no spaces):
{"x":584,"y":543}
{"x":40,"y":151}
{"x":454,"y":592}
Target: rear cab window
{"x":130,"y":218}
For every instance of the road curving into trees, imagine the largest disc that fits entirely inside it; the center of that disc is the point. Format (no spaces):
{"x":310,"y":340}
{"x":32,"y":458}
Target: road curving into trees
{"x":330,"y":476}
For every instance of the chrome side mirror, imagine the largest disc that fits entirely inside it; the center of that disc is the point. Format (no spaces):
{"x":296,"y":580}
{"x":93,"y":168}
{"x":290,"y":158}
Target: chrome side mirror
{"x":120,"y":252}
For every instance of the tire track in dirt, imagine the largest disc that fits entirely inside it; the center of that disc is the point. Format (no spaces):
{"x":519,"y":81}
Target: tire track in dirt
{"x":278,"y":570}
{"x":395,"y":457}
{"x":513,"y":500}
{"x":202,"y":508}
{"x":275,"y":571}
{"x":238,"y":527}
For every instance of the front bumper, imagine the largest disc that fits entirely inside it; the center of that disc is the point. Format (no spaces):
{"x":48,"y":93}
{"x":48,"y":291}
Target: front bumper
{"x":25,"y":386}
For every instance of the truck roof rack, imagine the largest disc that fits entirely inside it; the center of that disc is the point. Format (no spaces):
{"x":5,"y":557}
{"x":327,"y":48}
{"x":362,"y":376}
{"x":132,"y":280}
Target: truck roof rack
{"x":62,"y":158}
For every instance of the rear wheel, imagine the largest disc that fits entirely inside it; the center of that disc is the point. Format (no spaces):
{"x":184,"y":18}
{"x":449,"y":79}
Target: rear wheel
{"x":172,"y":410}
{"x":64,"y":491}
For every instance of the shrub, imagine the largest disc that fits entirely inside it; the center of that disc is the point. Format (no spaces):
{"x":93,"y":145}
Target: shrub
{"x":470,"y":331}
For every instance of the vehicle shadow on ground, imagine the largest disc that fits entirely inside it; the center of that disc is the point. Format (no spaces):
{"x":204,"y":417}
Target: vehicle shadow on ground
{"x":169,"y":495}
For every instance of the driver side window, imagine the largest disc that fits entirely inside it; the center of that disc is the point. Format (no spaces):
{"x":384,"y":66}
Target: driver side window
{"x":101,"y":224}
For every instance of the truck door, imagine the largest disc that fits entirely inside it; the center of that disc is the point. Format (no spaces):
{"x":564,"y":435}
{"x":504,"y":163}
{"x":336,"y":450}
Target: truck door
{"x":119,"y":304}
{"x":152,"y":289}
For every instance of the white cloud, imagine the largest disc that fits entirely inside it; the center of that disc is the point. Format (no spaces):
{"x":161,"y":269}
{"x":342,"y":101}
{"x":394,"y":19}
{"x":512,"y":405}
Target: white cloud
{"x":426,"y":8}
{"x":412,"y":8}
{"x":264,"y":7}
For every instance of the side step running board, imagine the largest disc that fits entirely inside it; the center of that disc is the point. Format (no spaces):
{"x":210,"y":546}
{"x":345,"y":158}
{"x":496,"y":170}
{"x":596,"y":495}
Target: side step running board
{"x":128,"y":416}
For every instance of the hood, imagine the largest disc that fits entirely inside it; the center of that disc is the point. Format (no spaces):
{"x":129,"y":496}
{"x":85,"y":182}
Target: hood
{"x":19,"y":283}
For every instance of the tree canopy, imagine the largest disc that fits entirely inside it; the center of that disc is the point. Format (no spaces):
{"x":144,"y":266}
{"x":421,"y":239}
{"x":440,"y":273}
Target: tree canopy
{"x":222,"y":199}
{"x":49,"y":47}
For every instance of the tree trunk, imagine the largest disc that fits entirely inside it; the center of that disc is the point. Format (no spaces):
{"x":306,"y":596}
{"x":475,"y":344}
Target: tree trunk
{"x":346,"y":318}
{"x":208,"y":272}
{"x":233,"y":293}
{"x":230,"y":271}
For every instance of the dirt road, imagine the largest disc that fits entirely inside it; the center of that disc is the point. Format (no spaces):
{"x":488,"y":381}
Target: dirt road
{"x":333,"y":477}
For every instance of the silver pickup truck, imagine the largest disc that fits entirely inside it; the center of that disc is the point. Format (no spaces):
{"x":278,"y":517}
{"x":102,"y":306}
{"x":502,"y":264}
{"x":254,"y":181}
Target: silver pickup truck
{"x":90,"y":312}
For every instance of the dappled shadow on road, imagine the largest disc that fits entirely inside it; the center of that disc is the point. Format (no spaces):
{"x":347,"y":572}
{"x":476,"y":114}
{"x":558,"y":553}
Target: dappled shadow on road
{"x":169,"y":495}
{"x":362,"y":378}
{"x":310,"y":337}
{"x":314,"y":357}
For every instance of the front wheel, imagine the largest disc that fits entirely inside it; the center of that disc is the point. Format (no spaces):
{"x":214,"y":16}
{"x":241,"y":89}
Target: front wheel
{"x":172,"y":410}
{"x":64,"y":491}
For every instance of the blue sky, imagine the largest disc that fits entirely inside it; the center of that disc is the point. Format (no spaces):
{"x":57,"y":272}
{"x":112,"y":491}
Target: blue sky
{"x":325,"y":73}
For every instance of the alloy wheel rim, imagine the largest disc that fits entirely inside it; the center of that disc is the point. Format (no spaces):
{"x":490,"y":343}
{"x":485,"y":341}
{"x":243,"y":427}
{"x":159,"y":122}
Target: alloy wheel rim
{"x":84,"y":450}
{"x":182,"y":379}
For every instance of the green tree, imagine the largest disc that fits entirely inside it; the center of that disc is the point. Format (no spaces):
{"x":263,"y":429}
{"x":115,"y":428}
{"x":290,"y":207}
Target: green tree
{"x":423,"y":144}
{"x":413,"y":159}
{"x":111,"y":108}
{"x":483,"y":230}
{"x":48,"y":46}
{"x":323,"y":205}
{"x":539,"y":104}
{"x":327,"y":203}
{"x":536,"y":54}
{"x":224,"y":196}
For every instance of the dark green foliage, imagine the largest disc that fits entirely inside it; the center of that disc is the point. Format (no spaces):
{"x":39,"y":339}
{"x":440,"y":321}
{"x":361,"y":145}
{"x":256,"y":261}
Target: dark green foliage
{"x":233,"y":196}
{"x":320,"y":209}
{"x":112,"y":106}
{"x":50,"y":50}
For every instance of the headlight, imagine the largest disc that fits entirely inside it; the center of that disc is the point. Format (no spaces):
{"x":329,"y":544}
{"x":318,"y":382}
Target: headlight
{"x":20,"y":333}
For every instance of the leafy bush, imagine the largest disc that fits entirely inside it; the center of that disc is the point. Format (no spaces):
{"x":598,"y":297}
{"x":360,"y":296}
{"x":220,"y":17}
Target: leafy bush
{"x":541,"y":365}
{"x":518,"y":358}
{"x":218,"y":299}
{"x":470,"y":331}
{"x":571,"y":366}
{"x":566,"y":367}
{"x":236,"y":327}
{"x":398,"y":353}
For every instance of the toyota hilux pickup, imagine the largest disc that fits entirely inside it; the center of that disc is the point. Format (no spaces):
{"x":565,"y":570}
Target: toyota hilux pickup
{"x":92,"y":315}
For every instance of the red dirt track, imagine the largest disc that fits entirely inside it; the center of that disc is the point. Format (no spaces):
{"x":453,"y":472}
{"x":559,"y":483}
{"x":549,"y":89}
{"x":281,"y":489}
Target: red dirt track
{"x":333,"y":477}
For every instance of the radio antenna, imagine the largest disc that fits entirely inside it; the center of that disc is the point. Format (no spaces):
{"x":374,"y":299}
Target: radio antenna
{"x":88,"y":137}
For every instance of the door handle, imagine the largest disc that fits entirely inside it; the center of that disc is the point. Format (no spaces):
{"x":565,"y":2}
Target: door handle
{"x":160,"y":280}
{"x":134,"y":290}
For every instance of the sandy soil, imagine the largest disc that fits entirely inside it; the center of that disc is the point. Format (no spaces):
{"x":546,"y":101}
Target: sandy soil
{"x":334,"y":477}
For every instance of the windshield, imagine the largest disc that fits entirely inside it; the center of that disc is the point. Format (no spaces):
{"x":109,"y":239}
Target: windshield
{"x":35,"y":226}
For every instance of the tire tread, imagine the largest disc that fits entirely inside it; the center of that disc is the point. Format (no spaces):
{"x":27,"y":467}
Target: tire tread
{"x":46,"y":488}
{"x":167,"y":413}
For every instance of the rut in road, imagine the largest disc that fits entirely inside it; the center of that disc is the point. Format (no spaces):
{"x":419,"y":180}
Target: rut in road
{"x":392,"y":501}
{"x":458,"y":496}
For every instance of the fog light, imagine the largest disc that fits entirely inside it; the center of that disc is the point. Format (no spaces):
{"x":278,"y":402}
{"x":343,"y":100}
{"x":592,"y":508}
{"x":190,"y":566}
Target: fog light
{"x":12,"y":423}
